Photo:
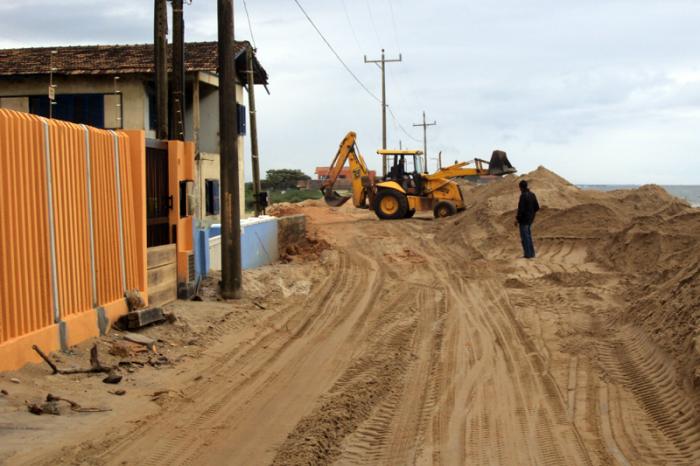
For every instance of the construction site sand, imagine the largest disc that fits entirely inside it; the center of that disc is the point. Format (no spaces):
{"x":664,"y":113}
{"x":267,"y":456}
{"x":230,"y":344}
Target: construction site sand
{"x":430,"y":342}
{"x":649,"y":237}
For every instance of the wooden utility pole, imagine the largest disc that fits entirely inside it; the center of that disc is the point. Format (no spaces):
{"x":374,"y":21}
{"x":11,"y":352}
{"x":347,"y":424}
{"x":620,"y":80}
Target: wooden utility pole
{"x":231,"y":275}
{"x":382,"y":64}
{"x":177,"y":119}
{"x":425,"y":138}
{"x":253,"y":133}
{"x":160,"y":61}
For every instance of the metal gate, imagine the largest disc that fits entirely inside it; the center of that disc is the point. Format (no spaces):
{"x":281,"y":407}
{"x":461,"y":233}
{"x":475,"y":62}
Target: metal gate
{"x":158,"y":198}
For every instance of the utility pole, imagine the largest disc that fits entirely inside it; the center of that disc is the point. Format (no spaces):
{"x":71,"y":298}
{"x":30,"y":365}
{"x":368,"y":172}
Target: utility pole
{"x":177,"y":130}
{"x":425,"y":138}
{"x":52,"y":86}
{"x":160,"y":61}
{"x":253,"y":133}
{"x":231,"y":275}
{"x":382,"y":63}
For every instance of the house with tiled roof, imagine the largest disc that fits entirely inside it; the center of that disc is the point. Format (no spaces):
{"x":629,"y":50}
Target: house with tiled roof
{"x":113,"y":87}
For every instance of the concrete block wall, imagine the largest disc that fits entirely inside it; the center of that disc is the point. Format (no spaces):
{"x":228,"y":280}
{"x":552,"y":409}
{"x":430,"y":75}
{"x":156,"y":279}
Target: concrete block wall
{"x":291,"y":231}
{"x":262,"y":241}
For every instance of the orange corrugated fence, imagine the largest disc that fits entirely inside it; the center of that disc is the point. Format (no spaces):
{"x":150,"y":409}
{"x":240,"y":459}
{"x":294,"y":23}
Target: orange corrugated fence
{"x":68,"y":231}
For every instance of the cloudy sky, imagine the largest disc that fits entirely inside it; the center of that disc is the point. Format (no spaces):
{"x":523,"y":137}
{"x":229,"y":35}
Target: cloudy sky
{"x":600,"y":91}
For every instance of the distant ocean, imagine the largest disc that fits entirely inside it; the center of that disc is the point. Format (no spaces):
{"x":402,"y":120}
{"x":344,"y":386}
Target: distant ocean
{"x":690,"y":193}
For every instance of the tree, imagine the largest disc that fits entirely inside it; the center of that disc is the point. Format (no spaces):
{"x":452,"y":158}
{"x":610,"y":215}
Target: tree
{"x":284,"y":178}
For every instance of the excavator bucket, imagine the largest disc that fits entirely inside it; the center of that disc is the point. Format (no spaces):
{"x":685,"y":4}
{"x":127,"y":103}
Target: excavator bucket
{"x":334,"y":199}
{"x":499,"y":164}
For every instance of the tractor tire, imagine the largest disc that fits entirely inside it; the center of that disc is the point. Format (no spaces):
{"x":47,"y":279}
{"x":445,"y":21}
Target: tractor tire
{"x":410,"y":213}
{"x":444,"y":209}
{"x":390,"y":204}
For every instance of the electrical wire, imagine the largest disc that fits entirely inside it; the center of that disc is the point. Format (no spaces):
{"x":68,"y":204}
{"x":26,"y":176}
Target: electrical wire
{"x":393,"y":24}
{"x":354,"y":76}
{"x":342,"y":62}
{"x":398,"y":123}
{"x":374,"y":26}
{"x":250,"y":26}
{"x":352,"y":29}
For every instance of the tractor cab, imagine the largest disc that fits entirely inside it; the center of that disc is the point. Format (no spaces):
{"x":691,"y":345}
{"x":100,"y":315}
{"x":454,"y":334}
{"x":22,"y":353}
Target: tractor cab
{"x":404,"y":167}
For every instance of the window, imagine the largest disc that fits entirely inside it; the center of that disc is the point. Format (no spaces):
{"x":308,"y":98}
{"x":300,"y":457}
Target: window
{"x":77,"y":108}
{"x":186,"y":198}
{"x":152,"y":109}
{"x":212,"y":197}
{"x":241,"y":120}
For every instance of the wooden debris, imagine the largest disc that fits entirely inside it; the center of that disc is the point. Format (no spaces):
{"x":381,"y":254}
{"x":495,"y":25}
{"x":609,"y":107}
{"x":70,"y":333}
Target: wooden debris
{"x":142,"y":317}
{"x":14,"y":380}
{"x":149,"y":343}
{"x":95,"y":365}
{"x":51,"y":406}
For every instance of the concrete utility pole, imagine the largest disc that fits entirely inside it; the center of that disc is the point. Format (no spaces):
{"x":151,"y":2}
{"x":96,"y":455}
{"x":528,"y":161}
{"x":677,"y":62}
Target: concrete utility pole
{"x":382,"y":63}
{"x":253,"y":133}
{"x":425,"y":138}
{"x":177,"y":130}
{"x":52,"y":86}
{"x":231,"y":275}
{"x":160,"y":61}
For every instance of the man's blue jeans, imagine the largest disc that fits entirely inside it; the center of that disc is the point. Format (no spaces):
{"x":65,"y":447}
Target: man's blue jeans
{"x":526,"y":238}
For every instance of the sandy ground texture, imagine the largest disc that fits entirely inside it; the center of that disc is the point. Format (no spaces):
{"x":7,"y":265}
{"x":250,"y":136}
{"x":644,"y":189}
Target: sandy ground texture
{"x":413,"y":342}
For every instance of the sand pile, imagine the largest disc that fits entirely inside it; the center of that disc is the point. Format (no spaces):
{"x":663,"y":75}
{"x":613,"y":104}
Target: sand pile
{"x":283,"y":209}
{"x":645,"y":234}
{"x":662,"y":256}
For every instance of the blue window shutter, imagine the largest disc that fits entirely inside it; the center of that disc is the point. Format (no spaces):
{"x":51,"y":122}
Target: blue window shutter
{"x":241,"y":120}
{"x":215,"y":197}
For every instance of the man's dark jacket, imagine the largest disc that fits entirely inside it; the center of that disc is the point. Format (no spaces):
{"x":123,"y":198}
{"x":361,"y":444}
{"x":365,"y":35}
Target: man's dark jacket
{"x":527,"y":208}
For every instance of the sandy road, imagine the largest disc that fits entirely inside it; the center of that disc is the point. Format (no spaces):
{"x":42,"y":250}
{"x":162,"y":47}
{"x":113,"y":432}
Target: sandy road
{"x":408,"y":349}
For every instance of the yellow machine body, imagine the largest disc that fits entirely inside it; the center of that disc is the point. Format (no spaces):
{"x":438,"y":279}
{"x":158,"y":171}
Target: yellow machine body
{"x":402,"y":192}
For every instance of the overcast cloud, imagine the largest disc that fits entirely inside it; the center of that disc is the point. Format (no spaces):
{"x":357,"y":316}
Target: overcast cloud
{"x":600,"y":91}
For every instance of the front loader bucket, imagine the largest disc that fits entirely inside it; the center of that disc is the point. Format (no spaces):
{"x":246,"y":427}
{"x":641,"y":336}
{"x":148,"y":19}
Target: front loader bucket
{"x":499,"y":164}
{"x":334,"y":199}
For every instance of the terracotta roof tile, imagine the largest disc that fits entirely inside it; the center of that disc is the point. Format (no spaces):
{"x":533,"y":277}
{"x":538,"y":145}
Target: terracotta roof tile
{"x":111,"y":59}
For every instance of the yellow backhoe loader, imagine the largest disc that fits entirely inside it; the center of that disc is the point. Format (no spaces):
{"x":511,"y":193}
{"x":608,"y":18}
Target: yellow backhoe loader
{"x":405,"y":190}
{"x":498,"y":166}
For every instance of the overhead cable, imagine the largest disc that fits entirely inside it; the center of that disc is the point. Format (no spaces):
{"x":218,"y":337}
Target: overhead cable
{"x":330,"y":47}
{"x":354,"y":76}
{"x":352,"y":29}
{"x":250,"y":26}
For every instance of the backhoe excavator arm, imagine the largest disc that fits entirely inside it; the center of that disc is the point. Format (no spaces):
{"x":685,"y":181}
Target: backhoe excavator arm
{"x":347,"y":152}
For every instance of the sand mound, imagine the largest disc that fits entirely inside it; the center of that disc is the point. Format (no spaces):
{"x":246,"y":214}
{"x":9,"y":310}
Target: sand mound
{"x":502,"y":196}
{"x":649,"y":236}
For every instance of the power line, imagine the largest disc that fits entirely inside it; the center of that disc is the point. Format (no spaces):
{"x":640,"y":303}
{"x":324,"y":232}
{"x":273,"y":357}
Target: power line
{"x":250,"y":26}
{"x":354,"y":76}
{"x":393,"y":24}
{"x":330,"y":47}
{"x":396,"y":120}
{"x":374,"y":26}
{"x":352,"y":29}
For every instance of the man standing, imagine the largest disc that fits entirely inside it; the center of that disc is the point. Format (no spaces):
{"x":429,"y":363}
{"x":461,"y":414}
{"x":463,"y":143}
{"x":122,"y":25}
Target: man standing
{"x":527,"y":208}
